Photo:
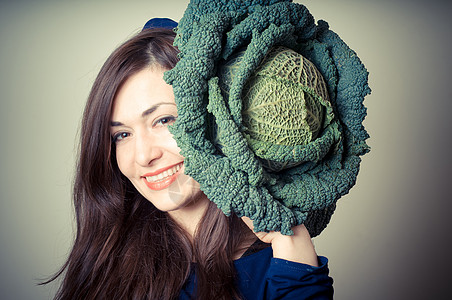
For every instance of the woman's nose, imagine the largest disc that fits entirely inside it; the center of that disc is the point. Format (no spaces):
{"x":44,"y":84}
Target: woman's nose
{"x":147,"y":149}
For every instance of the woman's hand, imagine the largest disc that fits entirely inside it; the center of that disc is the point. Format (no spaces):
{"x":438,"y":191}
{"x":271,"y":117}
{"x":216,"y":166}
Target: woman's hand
{"x":297,"y":247}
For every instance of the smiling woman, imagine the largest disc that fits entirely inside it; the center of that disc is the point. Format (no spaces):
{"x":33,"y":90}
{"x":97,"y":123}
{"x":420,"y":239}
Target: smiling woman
{"x":145,"y":229}
{"x":146,"y":152}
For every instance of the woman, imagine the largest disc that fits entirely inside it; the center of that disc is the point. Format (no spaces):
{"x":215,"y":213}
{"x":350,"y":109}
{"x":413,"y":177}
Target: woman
{"x":145,"y":230}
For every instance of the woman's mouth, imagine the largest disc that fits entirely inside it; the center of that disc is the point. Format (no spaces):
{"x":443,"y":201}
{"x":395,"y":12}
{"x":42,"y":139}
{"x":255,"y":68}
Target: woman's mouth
{"x":163,"y":179}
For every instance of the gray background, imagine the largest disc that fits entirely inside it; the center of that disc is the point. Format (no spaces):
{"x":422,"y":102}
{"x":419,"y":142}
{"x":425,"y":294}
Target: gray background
{"x":389,"y":238}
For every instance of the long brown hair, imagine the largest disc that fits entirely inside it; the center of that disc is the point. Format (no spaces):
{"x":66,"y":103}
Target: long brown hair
{"x":124,"y":247}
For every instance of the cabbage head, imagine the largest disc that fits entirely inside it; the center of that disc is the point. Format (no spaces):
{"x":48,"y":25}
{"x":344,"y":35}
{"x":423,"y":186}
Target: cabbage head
{"x":283,"y":101}
{"x":261,"y":132}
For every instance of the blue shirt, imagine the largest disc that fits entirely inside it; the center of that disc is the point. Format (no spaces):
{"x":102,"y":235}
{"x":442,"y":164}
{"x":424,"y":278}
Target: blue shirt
{"x":261,"y":276}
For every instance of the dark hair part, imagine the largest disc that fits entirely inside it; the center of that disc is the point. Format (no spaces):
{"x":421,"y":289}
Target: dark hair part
{"x":124,"y":246}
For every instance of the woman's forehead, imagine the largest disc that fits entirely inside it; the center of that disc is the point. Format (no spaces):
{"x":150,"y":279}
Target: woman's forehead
{"x":142,"y":93}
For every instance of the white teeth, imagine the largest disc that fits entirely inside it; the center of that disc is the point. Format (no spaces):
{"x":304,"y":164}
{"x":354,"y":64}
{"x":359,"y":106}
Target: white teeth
{"x":164,"y":174}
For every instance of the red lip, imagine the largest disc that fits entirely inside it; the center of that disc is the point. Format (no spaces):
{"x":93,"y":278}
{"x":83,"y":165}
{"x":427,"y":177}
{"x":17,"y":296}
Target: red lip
{"x":160,"y":170}
{"x":164,"y":183}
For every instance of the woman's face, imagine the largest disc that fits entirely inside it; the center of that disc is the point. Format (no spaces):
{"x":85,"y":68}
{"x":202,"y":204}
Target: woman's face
{"x":146,"y":152}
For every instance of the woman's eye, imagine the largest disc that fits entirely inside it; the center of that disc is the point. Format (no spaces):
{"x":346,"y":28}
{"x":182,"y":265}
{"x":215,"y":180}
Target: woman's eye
{"x":119,"y":136}
{"x":165,"y":121}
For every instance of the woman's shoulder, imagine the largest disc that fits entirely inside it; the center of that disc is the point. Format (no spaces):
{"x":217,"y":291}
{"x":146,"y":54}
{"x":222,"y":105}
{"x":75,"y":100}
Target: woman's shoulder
{"x":255,"y":259}
{"x":258,"y":259}
{"x":257,"y":246}
{"x":261,"y":276}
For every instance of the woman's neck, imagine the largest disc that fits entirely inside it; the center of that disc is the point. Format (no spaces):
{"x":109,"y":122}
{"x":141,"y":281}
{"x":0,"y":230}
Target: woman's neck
{"x":189,"y":216}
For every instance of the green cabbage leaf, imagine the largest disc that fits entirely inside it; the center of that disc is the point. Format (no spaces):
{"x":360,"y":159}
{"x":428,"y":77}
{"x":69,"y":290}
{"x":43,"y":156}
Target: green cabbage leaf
{"x":285,"y":164}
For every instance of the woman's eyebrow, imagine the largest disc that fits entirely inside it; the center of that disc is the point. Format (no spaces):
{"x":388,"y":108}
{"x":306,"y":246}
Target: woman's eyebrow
{"x":154,"y":108}
{"x":145,"y":113}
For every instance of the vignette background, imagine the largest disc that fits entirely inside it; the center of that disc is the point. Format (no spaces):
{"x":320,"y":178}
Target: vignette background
{"x":389,"y":237}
